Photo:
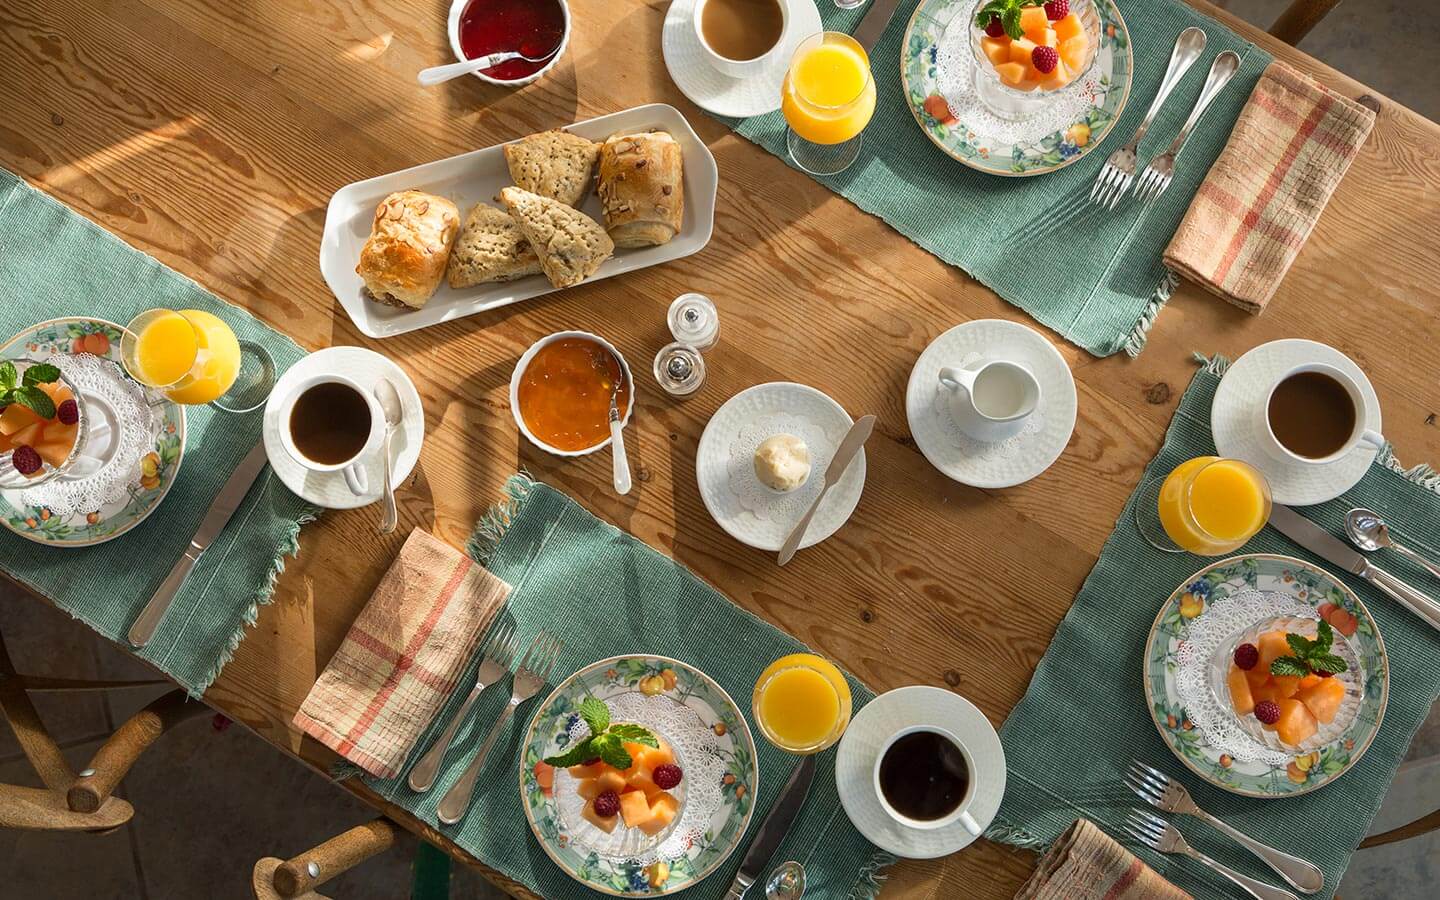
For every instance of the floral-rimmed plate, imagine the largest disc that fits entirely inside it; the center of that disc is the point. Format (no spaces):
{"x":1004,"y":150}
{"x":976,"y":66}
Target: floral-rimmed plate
{"x":158,"y":471}
{"x":712,"y":743}
{"x":980,"y":141}
{"x":1308,"y":585}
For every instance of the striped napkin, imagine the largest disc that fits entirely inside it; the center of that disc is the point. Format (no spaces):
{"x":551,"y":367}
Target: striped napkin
{"x":403,"y":655}
{"x":1085,"y":864}
{"x":1291,"y":146}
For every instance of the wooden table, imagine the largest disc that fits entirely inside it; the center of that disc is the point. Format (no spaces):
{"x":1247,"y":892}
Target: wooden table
{"x":211,"y":135}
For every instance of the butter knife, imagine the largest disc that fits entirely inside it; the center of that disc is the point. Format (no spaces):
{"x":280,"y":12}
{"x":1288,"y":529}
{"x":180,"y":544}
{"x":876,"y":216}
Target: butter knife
{"x":226,"y":502}
{"x":773,"y":830}
{"x":868,"y":32}
{"x":1324,"y":544}
{"x":854,"y":439}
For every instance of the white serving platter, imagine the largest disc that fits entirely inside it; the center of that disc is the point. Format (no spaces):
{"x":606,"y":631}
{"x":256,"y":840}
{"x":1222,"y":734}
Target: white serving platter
{"x":479,"y":175}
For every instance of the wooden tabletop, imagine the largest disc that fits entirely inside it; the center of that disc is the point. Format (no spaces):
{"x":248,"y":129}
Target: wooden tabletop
{"x":212,"y":134}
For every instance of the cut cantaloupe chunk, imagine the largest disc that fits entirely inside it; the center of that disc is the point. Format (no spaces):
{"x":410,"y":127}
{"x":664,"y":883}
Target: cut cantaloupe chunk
{"x":1240,"y":691}
{"x":1272,"y":645}
{"x":1057,"y":79}
{"x":1267,"y":691}
{"x":644,"y":782}
{"x":1048,"y":38}
{"x":1285,"y":685}
{"x":1021,"y":51}
{"x":57,"y":391}
{"x":30,"y":435}
{"x":1323,"y":699}
{"x":662,"y":812}
{"x":1068,"y":27}
{"x":1029,"y":82}
{"x":1296,"y":723}
{"x":1033,"y":20}
{"x":996,"y":49}
{"x":1256,"y":676}
{"x":1075,"y":52}
{"x":54,"y":452}
{"x":609,"y":780}
{"x":591,"y":771}
{"x":15,"y":417}
{"x":604,"y":823}
{"x":635,"y":809}
{"x":1309,"y":681}
{"x":1011,"y":73}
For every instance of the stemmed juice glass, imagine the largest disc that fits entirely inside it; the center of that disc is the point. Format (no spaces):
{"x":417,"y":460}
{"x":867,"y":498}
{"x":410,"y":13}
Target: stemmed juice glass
{"x":827,"y":99}
{"x":1208,"y":506}
{"x":192,"y":357}
{"x":802,"y":703}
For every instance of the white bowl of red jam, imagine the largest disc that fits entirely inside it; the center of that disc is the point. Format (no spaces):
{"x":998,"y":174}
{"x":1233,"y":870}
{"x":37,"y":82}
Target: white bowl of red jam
{"x":537,"y":28}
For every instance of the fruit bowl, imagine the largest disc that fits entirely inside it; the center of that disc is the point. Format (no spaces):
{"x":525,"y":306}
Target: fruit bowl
{"x":56,"y":443}
{"x":1013,"y":77}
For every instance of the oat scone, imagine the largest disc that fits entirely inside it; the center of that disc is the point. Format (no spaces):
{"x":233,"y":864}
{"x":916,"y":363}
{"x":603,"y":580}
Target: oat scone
{"x":490,"y":248}
{"x":554,"y":164}
{"x":570,"y":244}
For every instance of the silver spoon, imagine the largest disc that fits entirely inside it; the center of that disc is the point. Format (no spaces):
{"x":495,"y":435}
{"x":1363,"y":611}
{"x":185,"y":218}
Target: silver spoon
{"x":787,"y":882}
{"x":439,"y":74}
{"x":389,"y":400}
{"x":1368,"y":532}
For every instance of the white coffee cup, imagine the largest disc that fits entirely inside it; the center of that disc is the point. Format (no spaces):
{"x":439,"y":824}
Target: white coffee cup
{"x":1358,"y":435}
{"x":742,"y":68}
{"x":960,"y":813}
{"x":353,"y":469}
{"x":991,"y":399}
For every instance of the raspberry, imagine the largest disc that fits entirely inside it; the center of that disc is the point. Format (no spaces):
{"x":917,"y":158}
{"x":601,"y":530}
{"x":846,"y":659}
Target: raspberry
{"x":608,"y":803}
{"x":26,"y":460}
{"x":1246,"y":656}
{"x":1056,"y":10}
{"x":591,"y":761}
{"x":666,"y":776}
{"x":995,"y":28}
{"x":68,"y":413}
{"x":1267,"y":711}
{"x":1044,"y":59}
{"x":1324,"y":674}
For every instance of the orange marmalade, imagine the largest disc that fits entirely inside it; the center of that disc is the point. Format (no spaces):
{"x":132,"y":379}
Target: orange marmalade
{"x":565,"y":393}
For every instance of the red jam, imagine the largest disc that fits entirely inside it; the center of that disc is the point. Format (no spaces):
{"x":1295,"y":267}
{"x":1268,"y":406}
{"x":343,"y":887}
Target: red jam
{"x":533,"y":27}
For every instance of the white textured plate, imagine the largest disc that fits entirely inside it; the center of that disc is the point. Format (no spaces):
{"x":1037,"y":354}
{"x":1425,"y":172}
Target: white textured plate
{"x":366,"y":368}
{"x":1234,"y":417}
{"x":479,"y":175}
{"x":1005,"y":463}
{"x":715,"y":469}
{"x":718,"y":93}
{"x":874,"y":725}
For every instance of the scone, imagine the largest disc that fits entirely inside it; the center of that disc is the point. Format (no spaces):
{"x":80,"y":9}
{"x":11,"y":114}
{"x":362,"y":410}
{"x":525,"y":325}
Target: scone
{"x":571,"y":245}
{"x":404,"y":259}
{"x":642,"y":189}
{"x":554,"y":164}
{"x":490,"y":248}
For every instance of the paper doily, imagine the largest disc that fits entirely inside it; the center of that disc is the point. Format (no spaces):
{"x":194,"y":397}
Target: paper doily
{"x":744,"y":485}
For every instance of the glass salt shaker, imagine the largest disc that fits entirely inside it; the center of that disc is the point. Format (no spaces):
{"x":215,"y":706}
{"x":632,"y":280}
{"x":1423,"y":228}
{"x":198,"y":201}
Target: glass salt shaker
{"x":679,"y":369}
{"x":694,"y":320}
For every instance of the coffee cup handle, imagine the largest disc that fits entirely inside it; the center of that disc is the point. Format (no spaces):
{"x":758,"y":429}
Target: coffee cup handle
{"x":356,"y":479}
{"x":1373,"y":438}
{"x":968,"y":822}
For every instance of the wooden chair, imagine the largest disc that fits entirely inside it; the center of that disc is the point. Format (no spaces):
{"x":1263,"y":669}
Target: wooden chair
{"x":1298,"y":18}
{"x":298,"y":877}
{"x":72,"y":801}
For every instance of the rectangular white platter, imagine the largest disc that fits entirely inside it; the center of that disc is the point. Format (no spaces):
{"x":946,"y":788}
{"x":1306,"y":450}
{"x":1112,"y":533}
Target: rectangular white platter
{"x":479,"y":175}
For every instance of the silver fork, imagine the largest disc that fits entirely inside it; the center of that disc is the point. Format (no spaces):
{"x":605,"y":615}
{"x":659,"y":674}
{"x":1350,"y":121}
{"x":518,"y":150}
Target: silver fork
{"x":499,"y":652}
{"x":535,"y":670}
{"x":1161,"y":171}
{"x":1163,"y":792}
{"x":1157,"y":834}
{"x":1119,"y":171}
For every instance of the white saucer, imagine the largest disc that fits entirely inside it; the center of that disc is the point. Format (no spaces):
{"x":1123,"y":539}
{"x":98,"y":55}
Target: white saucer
{"x":366,"y":367}
{"x":725,"y":469}
{"x":1233,"y":421}
{"x":874,"y":725}
{"x":720,"y":94}
{"x":1004,"y":463}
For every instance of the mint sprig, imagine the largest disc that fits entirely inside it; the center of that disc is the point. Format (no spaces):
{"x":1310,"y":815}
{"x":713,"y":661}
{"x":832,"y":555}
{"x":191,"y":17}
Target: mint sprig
{"x":606,"y":741}
{"x":1309,"y":656}
{"x":27,"y":393}
{"x":1008,"y":11}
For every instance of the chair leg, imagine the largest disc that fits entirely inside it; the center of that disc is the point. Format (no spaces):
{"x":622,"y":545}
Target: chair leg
{"x":1422,"y":825}
{"x":39,"y":810}
{"x":121,"y":749}
{"x":1299,"y":18}
{"x":42,"y":751}
{"x":342,"y":852}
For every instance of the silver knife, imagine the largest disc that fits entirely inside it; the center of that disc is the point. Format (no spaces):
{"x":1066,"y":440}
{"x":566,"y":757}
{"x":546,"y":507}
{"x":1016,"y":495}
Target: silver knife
{"x":226,"y":502}
{"x":1322,"y":543}
{"x":774,"y":828}
{"x":854,"y":439}
{"x":873,"y":25}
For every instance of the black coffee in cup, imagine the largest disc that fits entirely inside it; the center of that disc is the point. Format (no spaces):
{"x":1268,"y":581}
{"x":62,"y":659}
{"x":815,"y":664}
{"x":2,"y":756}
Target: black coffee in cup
{"x":330,"y":423}
{"x":923,"y":776}
{"x":1311,"y":414}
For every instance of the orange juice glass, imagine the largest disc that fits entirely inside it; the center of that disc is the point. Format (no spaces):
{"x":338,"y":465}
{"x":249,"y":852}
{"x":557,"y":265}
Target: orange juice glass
{"x":191,"y":356}
{"x":827,"y":99}
{"x":1211,"y":506}
{"x":802,"y":703}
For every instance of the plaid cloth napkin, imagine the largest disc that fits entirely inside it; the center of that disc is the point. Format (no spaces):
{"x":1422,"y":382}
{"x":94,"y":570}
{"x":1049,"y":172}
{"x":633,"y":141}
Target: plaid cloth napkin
{"x":403,"y":655}
{"x":1084,"y":863}
{"x":1253,"y":212}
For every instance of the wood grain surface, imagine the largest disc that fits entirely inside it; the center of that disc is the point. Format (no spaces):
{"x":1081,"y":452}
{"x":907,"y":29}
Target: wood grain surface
{"x":212,"y":134}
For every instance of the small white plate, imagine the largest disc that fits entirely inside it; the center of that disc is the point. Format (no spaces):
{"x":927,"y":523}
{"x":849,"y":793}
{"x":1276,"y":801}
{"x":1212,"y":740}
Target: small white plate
{"x":718,"y":93}
{"x":479,"y":175}
{"x":724,"y":465}
{"x":366,"y":368}
{"x":874,"y":725}
{"x":1234,"y":412}
{"x":1004,"y":463}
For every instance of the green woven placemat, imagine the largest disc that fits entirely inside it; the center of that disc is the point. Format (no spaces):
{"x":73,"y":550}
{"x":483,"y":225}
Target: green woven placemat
{"x":1098,"y":282}
{"x":1084,"y":717}
{"x":54,"y":263}
{"x":605,"y":593}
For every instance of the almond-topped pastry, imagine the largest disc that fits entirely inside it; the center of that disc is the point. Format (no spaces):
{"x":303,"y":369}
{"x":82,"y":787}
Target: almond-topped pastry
{"x":642,"y":189}
{"x":571,"y":245}
{"x":554,"y":164}
{"x":491,"y":248}
{"x":404,"y":259}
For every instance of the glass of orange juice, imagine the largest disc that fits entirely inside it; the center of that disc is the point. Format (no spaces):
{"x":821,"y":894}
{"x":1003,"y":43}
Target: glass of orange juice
{"x":1208,"y":506}
{"x":802,"y":703}
{"x":827,"y":99}
{"x":192,"y":357}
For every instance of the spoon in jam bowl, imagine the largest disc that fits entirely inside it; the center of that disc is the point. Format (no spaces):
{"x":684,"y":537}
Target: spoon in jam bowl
{"x":440,"y":74}
{"x":602,"y":360}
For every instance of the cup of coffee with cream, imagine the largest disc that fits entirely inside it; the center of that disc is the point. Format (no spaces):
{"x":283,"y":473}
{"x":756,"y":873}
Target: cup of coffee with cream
{"x":1314,"y":414}
{"x":741,"y":38}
